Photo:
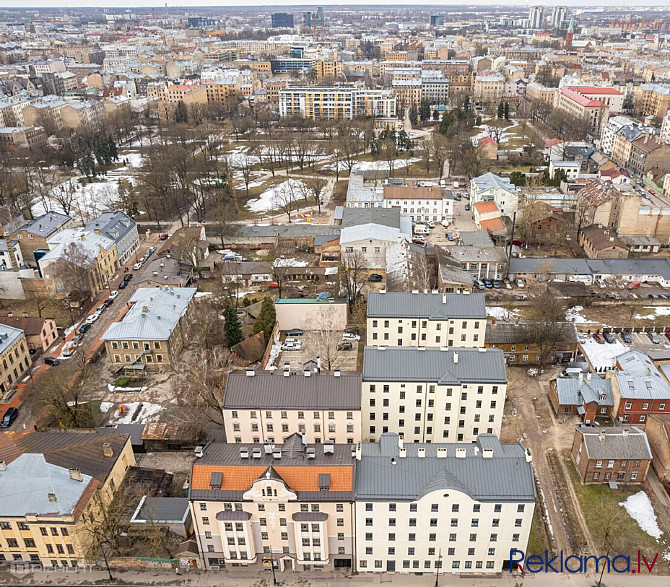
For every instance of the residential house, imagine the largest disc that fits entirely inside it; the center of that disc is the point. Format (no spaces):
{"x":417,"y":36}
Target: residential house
{"x":425,"y":319}
{"x":165,"y":270}
{"x":14,"y":357}
{"x":120,"y":228}
{"x":33,"y":235}
{"x":516,"y":341}
{"x":247,"y":272}
{"x":422,"y":201}
{"x":40,"y":333}
{"x":479,"y":262}
{"x":288,"y":504}
{"x":652,"y":100}
{"x":488,"y":217}
{"x":52,"y":489}
{"x":153,"y":333}
{"x":269,"y":406}
{"x":657,"y":429}
{"x":611,"y":455}
{"x":431,"y":394}
{"x":442,"y":508}
{"x":451,"y":277}
{"x":588,"y":396}
{"x":21,"y":137}
{"x":648,"y":153}
{"x":601,"y":243}
{"x":491,"y":187}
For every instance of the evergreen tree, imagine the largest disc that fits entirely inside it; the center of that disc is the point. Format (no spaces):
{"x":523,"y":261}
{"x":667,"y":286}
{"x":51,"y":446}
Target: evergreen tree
{"x":232,"y":325}
{"x":506,"y":110}
{"x":436,"y":115}
{"x":413,"y":115}
{"x":180,"y":113}
{"x":501,"y":110}
{"x":466,"y":103}
{"x":266,"y":318}
{"x":447,"y":120}
{"x":424,"y":110}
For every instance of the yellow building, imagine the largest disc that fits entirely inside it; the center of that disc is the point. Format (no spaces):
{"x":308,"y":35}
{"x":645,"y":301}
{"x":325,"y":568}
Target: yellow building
{"x":15,"y":360}
{"x":336,"y":103}
{"x":328,"y":68}
{"x":652,"y":100}
{"x":72,"y":476}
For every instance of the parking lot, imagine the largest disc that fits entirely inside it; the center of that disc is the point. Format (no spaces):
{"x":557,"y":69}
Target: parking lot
{"x":322,"y":344}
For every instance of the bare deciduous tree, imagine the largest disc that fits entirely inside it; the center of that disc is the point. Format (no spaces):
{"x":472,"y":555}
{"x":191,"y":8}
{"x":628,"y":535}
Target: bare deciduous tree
{"x":353,"y":273}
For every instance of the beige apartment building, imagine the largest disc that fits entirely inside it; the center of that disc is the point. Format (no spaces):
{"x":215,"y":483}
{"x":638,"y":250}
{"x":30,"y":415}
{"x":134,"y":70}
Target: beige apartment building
{"x":432,"y":394}
{"x":593,"y":112}
{"x":426,"y":319}
{"x":72,"y":475}
{"x":489,"y":89}
{"x":447,"y":508}
{"x":328,"y":68}
{"x":15,"y":359}
{"x":270,"y":406}
{"x":287,"y":504}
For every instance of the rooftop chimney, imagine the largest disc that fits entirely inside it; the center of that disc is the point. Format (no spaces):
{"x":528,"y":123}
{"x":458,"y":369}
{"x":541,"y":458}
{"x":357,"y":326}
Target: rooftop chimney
{"x":602,"y":435}
{"x":52,"y":497}
{"x":460,"y":453}
{"x":3,"y":466}
{"x":306,"y":372}
{"x":455,"y":358}
{"x":529,"y":457}
{"x":421,"y":453}
{"x":336,"y":373}
{"x":624,"y":432}
{"x":441,"y":453}
{"x":75,"y":474}
{"x":107,"y":449}
{"x":318,"y":363}
{"x":145,"y":309}
{"x":444,"y":298}
{"x":250,"y":372}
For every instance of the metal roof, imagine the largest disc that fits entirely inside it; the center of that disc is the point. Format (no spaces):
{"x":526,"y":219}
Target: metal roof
{"x":428,"y":306}
{"x":46,"y":224}
{"x":28,"y":481}
{"x":621,"y":442}
{"x":269,"y":390}
{"x":161,"y":510}
{"x":550,"y":266}
{"x":8,"y":336}
{"x":382,"y":474}
{"x":154,"y":315}
{"x":383,"y":216}
{"x":446,"y":367}
{"x":114,"y":224}
{"x":574,"y":391}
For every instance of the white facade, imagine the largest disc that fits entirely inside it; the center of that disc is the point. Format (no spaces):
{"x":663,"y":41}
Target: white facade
{"x":415,"y":332}
{"x":665,"y":129}
{"x":490,"y":187}
{"x":613,"y":125}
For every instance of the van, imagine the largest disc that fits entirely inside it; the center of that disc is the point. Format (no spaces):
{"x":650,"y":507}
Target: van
{"x":479,"y":284}
{"x":585,"y":279}
{"x":421,"y":229}
{"x":10,"y":415}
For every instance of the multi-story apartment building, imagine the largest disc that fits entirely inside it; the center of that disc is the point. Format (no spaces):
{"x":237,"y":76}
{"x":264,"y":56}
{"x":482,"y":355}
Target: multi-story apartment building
{"x":407,"y":91}
{"x":610,"y":97}
{"x":52,"y":487}
{"x":334,"y":103}
{"x":269,"y":406}
{"x":489,"y":89}
{"x":449,"y":508}
{"x":652,"y":100}
{"x":23,"y":137}
{"x":15,"y":359}
{"x":494,"y":188}
{"x":432,"y":394}
{"x":426,"y":319}
{"x":328,"y":69}
{"x":435,"y":90}
{"x":290,"y":505}
{"x":34,"y":234}
{"x":614,"y":124}
{"x":153,"y":333}
{"x":648,"y":153}
{"x":119,"y":227}
{"x":665,"y":129}
{"x":420,"y":201}
{"x":593,"y":112}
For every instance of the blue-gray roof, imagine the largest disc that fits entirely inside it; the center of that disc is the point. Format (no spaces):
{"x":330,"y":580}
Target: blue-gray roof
{"x":553,"y":266}
{"x":114,"y":224}
{"x":625,"y":443}
{"x":154,"y":315}
{"x":27,"y":482}
{"x":574,"y":391}
{"x":444,"y":366}
{"x":428,"y":306}
{"x":382,"y":474}
{"x":8,"y":336}
{"x":161,"y":510}
{"x":46,"y":224}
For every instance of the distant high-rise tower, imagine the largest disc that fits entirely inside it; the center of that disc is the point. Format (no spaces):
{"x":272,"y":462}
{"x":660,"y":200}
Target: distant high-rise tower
{"x":536,"y":17}
{"x":320,"y":18}
{"x":436,"y":20}
{"x":570,"y":34}
{"x":307,"y":18}
{"x":282,"y":20}
{"x":558,"y":16}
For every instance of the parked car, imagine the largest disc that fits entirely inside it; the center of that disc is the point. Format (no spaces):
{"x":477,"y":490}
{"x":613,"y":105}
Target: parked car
{"x":667,"y":334}
{"x":375,"y":278}
{"x":497,"y":284}
{"x":345,"y":346}
{"x":273,"y":285}
{"x":633,"y":285}
{"x":654,"y":338}
{"x":92,"y":318}
{"x":350,"y":336}
{"x":151,"y":251}
{"x":601,"y":284}
{"x":123,"y":284}
{"x":137,"y":266}
{"x":430,"y":224}
{"x":479,"y":284}
{"x":51,"y":361}
{"x":84,"y":328}
{"x":107,"y":303}
{"x":521,"y":297}
{"x":78,"y":338}
{"x":8,"y":419}
{"x":599,"y":338}
{"x":467,"y":207}
{"x":520,"y":284}
{"x":128,"y":277}
{"x":609,"y":337}
{"x":100,"y":309}
{"x":113,"y":294}
{"x":291,"y":344}
{"x":450,"y":237}
{"x":488,"y":284}
{"x":419,"y":241}
{"x":626,"y":337}
{"x":69,"y":349}
{"x":294,"y":332}
{"x":508,"y":285}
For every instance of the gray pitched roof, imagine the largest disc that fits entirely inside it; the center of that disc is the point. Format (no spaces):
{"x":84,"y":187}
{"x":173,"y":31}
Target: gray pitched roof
{"x":558,"y":266}
{"x":46,"y":224}
{"x":444,"y":366}
{"x":154,"y":315}
{"x":574,"y":391}
{"x":269,"y":390}
{"x":430,"y":306}
{"x":162,"y":509}
{"x":114,"y":224}
{"x":627,"y":443}
{"x":382,"y":474}
{"x":383,"y":216}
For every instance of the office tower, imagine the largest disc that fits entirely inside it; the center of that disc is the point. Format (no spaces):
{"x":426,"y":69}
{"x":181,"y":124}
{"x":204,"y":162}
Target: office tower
{"x":536,"y":17}
{"x":282,"y":20}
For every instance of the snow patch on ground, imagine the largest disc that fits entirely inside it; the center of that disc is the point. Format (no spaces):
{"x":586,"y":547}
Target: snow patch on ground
{"x":378,"y":165}
{"x":603,"y":356}
{"x":147,"y":412}
{"x":656,"y":311}
{"x":289,"y":263}
{"x":573,"y":315}
{"x":640,"y":509}
{"x":500,"y":313}
{"x":275,"y":196}
{"x":105,"y":406}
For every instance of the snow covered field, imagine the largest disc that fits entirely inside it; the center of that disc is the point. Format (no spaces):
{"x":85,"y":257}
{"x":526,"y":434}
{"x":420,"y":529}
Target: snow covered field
{"x":640,"y":509}
{"x":500,"y":313}
{"x":655,"y":312}
{"x":148,"y":412}
{"x":603,"y":356}
{"x":272,"y":199}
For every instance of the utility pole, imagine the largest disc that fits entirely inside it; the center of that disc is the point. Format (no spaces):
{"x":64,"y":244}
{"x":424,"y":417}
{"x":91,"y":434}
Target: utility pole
{"x":511,"y":240}
{"x":438,"y":567}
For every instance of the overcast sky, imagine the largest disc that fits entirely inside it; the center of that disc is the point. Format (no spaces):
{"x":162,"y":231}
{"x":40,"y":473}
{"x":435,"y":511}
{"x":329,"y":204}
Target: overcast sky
{"x":289,"y":3}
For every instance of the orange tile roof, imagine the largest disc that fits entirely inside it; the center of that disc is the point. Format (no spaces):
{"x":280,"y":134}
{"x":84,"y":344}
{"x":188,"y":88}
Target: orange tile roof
{"x":493,"y":225}
{"x":486,"y":207}
{"x":241,"y":478}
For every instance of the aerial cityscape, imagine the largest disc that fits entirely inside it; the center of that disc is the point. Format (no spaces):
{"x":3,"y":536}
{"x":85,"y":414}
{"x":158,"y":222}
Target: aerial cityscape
{"x":328,"y":294}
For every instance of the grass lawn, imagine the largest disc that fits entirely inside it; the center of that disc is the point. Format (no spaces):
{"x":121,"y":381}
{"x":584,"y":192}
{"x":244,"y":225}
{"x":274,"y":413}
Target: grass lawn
{"x":539,"y":540}
{"x":601,"y":509}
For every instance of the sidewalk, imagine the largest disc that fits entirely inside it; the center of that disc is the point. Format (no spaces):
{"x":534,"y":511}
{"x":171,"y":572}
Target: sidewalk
{"x":264,"y":579}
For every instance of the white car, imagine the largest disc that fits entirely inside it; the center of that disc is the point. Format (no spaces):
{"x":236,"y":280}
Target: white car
{"x":520,"y":283}
{"x":137,"y":266}
{"x":350,"y":336}
{"x":291,"y":346}
{"x":69,"y":349}
{"x":92,"y":318}
{"x":113,"y":294}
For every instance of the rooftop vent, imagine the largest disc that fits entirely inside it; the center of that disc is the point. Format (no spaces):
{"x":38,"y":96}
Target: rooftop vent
{"x":250,"y":372}
{"x":421,"y":452}
{"x":402,"y":452}
{"x":307,"y":372}
{"x":269,"y":447}
{"x":487,"y":453}
{"x":276,"y":453}
{"x":336,"y":373}
{"x":311,"y":453}
{"x":3,"y":466}
{"x":441,"y":453}
{"x":460,"y":453}
{"x":256,"y":453}
{"x":328,"y":448}
{"x":455,"y":358}
{"x":52,"y":497}
{"x":244,"y":453}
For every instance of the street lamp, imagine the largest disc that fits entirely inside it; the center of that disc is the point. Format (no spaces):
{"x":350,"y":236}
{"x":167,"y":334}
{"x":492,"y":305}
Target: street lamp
{"x":438,"y":566}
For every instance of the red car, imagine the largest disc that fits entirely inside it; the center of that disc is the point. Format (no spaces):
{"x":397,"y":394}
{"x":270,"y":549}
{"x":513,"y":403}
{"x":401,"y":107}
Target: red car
{"x":273,"y":285}
{"x":599,"y":338}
